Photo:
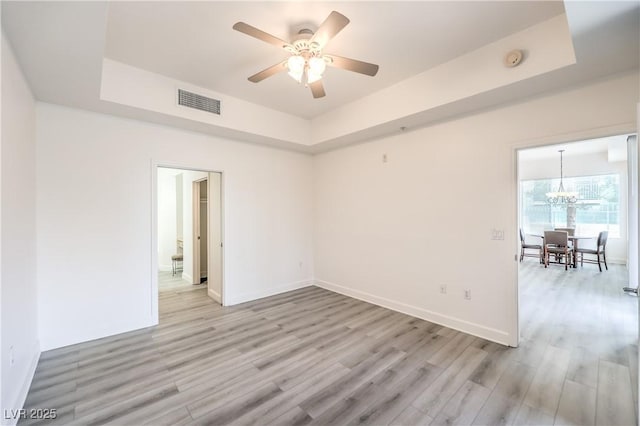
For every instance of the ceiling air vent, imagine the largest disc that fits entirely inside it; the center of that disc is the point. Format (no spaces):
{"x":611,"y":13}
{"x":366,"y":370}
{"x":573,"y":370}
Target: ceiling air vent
{"x":193,"y":100}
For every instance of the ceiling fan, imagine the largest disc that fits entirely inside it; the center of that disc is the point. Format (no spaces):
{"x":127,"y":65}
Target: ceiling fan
{"x":307,"y":62}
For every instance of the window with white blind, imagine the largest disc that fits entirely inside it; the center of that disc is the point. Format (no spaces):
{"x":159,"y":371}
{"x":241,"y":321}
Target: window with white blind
{"x":597,"y":208}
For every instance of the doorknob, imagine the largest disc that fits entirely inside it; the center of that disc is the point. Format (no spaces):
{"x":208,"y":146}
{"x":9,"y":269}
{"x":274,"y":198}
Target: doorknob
{"x":198,"y":236}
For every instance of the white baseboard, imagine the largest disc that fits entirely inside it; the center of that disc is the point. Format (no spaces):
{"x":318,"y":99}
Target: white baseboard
{"x":214,"y":295}
{"x":165,"y":268}
{"x":488,"y":333}
{"x":24,"y":389}
{"x":235,"y":299}
{"x":65,"y":339}
{"x":187,"y":277}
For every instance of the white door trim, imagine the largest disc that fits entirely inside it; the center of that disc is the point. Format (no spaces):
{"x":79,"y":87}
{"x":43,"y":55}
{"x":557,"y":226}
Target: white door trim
{"x":214,"y":237}
{"x":153,"y":272}
{"x":632,"y":206}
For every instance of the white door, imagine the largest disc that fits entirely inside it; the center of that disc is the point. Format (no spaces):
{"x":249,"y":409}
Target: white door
{"x":204,"y":223}
{"x":215,"y":237}
{"x":195,"y":232}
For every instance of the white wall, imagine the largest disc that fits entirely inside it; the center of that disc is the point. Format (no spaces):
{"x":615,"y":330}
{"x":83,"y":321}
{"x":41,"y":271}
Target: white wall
{"x":179,"y":201}
{"x":584,"y":165}
{"x":393,"y":232}
{"x":167,"y":233}
{"x":131,"y":86}
{"x":96,"y":281}
{"x":19,"y":314}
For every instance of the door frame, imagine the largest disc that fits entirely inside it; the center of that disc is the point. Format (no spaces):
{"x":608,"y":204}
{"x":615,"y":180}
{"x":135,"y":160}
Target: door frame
{"x":633,"y":151}
{"x":153,"y":271}
{"x":516,"y":147}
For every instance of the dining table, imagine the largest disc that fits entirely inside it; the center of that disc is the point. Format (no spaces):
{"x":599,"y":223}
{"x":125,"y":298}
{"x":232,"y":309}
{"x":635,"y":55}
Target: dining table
{"x":573,"y":238}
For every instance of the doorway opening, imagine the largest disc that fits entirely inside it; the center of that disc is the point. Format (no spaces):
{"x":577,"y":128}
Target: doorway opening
{"x":574,"y":314}
{"x":189,"y":232}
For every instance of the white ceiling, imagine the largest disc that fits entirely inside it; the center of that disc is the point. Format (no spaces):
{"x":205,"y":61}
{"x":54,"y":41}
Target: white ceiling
{"x":61,"y":47}
{"x":194,"y":42}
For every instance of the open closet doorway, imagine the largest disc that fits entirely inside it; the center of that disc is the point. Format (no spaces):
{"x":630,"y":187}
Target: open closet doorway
{"x":189,"y":232}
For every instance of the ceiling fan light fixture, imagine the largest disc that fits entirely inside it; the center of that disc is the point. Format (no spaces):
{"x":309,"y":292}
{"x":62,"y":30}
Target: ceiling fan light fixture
{"x":313,"y":77}
{"x":307,"y":64}
{"x":295,"y":76}
{"x":296,"y":65}
{"x":317,"y":65}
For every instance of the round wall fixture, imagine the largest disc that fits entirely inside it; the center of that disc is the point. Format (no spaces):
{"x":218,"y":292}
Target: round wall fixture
{"x":513,"y":58}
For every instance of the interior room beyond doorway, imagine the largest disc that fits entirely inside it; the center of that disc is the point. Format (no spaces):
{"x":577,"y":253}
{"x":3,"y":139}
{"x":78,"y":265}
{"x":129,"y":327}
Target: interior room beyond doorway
{"x":188,"y":223}
{"x":575,"y":320}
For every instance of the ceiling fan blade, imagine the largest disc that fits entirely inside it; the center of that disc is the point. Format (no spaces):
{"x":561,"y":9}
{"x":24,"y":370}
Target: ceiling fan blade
{"x":260,"y":35}
{"x":268,"y":72}
{"x":352,"y":65}
{"x":334,"y":23}
{"x":317,"y":89}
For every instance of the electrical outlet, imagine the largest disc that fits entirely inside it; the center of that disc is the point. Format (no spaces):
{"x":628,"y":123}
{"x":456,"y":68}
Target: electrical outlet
{"x":443,"y":288}
{"x":384,"y":158}
{"x":467,"y":294}
{"x":11,"y":358}
{"x":497,"y":234}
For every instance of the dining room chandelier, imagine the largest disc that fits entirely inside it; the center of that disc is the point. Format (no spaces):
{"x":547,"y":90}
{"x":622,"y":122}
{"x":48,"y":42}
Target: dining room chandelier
{"x":562,"y":196}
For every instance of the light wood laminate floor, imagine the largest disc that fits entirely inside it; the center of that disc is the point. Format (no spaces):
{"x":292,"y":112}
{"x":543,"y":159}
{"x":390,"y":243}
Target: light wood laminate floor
{"x":170,"y":282}
{"x":315,"y":357}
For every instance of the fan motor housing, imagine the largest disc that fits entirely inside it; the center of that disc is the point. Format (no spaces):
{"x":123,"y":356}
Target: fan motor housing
{"x":303,"y":44}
